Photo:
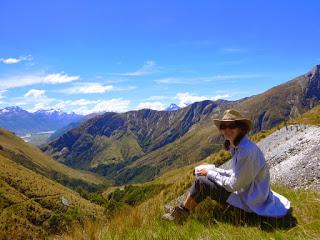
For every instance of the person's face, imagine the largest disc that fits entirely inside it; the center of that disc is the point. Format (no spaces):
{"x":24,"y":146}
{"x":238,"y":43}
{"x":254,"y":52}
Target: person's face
{"x":230,"y":131}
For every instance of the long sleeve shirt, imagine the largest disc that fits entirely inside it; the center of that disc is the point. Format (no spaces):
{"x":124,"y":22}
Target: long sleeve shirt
{"x":249,"y":182}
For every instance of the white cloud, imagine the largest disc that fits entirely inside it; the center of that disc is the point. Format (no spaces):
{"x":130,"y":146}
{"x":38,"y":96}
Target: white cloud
{"x":35,"y":93}
{"x":59,"y":78}
{"x":31,"y":79}
{"x":151,"y":105}
{"x":40,"y":103}
{"x":113,"y":105}
{"x":223,"y":96}
{"x":62,"y":105}
{"x":83,"y":102}
{"x":84,"y":106}
{"x":80,"y":106}
{"x":127,"y":88}
{"x":147,"y":69}
{"x":196,"y":80}
{"x":39,"y":106}
{"x":2,"y":92}
{"x":16,"y":60}
{"x":187,"y":98}
{"x":88,"y":88}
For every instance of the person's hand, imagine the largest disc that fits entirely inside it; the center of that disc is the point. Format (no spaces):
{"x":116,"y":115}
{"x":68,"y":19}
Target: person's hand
{"x":203,"y":172}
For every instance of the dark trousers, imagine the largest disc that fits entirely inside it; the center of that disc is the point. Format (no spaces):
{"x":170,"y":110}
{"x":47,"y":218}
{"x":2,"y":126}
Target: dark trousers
{"x":203,"y":187}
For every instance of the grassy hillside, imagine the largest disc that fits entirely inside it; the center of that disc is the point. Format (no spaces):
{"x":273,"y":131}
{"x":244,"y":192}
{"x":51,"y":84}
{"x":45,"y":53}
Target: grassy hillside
{"x":33,"y":206}
{"x":311,"y":117}
{"x":196,"y":144}
{"x":210,"y":220}
{"x":16,"y":149}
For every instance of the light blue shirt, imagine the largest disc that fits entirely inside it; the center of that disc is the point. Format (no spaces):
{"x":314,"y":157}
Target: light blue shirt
{"x":249,"y":182}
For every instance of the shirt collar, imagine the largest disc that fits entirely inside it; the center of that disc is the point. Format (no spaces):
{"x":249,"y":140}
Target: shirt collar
{"x":241,"y":143}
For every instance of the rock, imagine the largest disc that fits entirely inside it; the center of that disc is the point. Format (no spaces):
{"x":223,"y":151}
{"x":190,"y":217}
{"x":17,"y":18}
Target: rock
{"x":65,"y":201}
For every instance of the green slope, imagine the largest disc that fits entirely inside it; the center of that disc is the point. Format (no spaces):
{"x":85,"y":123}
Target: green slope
{"x":33,"y":206}
{"x":31,"y":157}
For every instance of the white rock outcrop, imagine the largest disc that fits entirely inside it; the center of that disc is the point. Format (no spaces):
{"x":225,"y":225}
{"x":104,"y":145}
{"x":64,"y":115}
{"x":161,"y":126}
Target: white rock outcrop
{"x":293,"y":154}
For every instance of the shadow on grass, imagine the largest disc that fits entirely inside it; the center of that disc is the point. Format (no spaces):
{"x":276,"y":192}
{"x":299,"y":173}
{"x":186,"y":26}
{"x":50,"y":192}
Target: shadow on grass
{"x":210,"y":212}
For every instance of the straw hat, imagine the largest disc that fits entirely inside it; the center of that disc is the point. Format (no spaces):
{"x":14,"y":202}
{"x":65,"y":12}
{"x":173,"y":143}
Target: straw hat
{"x":232,"y":116}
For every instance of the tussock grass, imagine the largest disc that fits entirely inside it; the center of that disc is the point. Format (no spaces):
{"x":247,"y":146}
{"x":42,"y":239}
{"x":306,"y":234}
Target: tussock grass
{"x":31,"y":205}
{"x":214,"y":221}
{"x":311,"y":117}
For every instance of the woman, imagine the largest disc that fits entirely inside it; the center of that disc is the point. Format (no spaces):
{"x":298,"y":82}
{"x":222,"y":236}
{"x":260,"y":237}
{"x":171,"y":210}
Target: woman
{"x":245,"y":186}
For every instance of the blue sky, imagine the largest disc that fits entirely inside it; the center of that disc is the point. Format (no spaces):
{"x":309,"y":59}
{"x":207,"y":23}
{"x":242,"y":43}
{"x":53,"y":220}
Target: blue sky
{"x":87,"y":56}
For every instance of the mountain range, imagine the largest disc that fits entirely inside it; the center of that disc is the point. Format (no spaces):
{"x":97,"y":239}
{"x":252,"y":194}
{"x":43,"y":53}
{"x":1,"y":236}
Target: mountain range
{"x":23,"y":122}
{"x":138,"y":145}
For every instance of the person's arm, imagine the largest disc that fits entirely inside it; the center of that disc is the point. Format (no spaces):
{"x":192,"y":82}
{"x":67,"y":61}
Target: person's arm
{"x":246,"y":169}
{"x":222,"y":171}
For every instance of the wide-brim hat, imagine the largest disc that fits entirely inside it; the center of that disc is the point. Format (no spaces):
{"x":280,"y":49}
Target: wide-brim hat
{"x":233,"y":116}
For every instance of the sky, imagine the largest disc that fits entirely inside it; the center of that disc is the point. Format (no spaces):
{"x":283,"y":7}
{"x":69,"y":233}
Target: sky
{"x":92,"y":56}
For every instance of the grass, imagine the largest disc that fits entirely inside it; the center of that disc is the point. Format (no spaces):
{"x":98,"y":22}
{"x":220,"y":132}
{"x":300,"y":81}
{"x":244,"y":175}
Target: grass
{"x":212,"y":221}
{"x":31,"y":205}
{"x":311,"y":117}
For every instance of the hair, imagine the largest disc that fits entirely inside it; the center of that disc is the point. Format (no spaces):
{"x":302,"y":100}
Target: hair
{"x":244,"y":131}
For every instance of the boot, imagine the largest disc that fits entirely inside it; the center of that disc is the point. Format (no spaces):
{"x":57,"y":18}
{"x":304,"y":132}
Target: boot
{"x":179,"y":214}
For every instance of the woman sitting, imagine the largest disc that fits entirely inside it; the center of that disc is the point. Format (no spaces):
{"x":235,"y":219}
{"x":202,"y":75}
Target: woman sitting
{"x":245,"y":186}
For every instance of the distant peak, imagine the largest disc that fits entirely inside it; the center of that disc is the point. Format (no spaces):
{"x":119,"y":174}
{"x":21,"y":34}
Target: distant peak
{"x":14,"y":109}
{"x":172,"y":107}
{"x":49,"y":111}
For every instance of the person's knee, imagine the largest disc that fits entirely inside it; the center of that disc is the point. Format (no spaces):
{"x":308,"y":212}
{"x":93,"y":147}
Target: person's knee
{"x":201,"y":181}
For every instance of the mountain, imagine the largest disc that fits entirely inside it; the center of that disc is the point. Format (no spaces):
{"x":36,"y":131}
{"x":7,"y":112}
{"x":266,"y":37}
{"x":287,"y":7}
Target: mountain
{"x":138,"y":145}
{"x":285,"y":101}
{"x":115,"y":138}
{"x":70,"y":126}
{"x":172,"y":107}
{"x":15,"y":149}
{"x":23,"y":122}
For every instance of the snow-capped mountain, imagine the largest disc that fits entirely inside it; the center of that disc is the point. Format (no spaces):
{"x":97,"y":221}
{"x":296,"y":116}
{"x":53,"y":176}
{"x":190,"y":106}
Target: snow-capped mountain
{"x":13,"y":109}
{"x":50,"y":111}
{"x":172,"y":107}
{"x":23,"y":122}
